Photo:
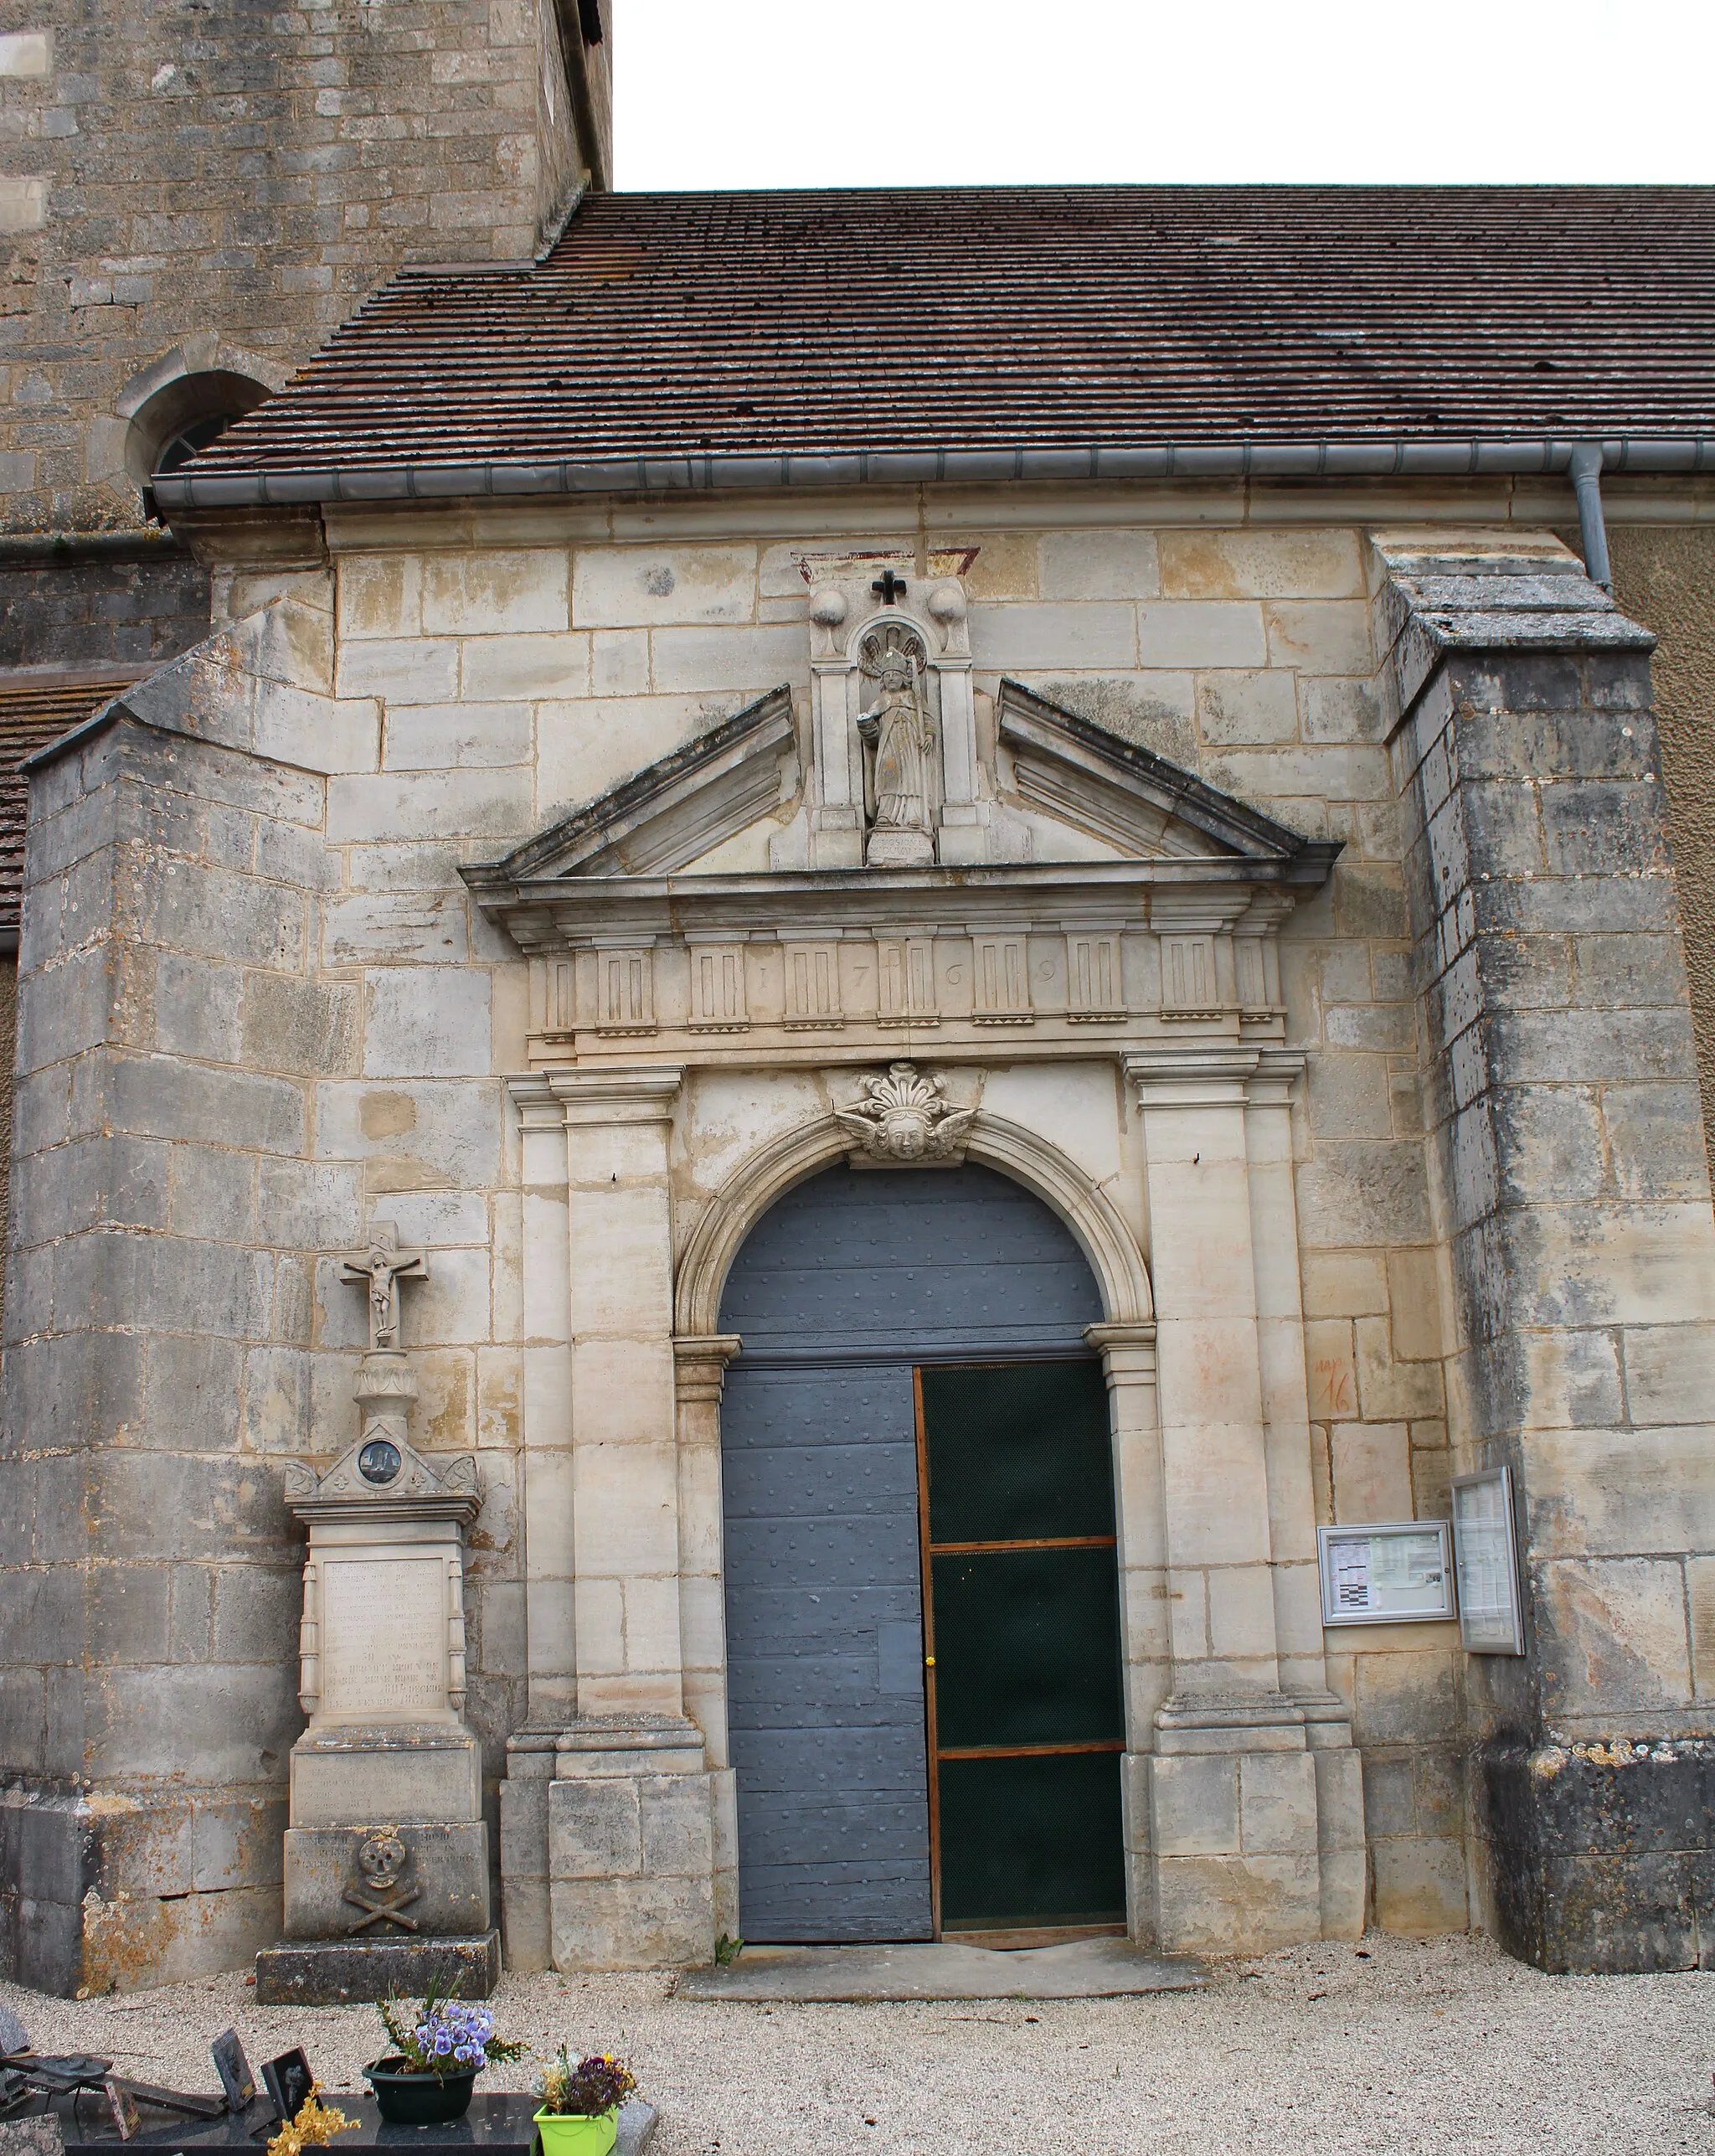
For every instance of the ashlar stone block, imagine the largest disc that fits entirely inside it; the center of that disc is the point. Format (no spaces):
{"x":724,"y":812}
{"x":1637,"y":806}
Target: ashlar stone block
{"x":1277,"y":1804}
{"x":1372,"y":1471}
{"x":625,"y":587}
{"x":429,"y":1022}
{"x":594,"y":1828}
{"x":1099,"y":565}
{"x":1261,"y":564}
{"x":443,"y":736}
{"x":1237,"y":1905}
{"x":1242,"y":708}
{"x":1194,"y":1806}
{"x":1175,"y":632}
{"x":495,"y":593}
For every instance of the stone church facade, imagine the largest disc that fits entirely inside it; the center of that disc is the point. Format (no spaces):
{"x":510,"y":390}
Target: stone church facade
{"x":1258,"y":893}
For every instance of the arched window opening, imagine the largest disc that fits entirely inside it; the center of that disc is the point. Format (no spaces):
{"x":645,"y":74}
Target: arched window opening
{"x":183,"y":416}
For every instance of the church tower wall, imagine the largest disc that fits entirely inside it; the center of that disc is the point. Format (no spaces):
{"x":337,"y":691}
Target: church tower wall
{"x":191,"y":203}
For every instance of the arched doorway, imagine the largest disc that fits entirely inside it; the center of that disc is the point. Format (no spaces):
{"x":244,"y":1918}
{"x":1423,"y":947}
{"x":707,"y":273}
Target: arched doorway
{"x":923,"y":1639}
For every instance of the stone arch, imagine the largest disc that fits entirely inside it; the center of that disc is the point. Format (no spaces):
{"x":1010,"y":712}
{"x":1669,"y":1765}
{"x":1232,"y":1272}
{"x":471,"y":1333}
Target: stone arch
{"x":1095,"y":1224}
{"x":202,"y":378}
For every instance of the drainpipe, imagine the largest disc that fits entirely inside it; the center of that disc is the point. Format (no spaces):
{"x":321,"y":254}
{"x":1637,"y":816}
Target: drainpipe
{"x":1586,"y":469}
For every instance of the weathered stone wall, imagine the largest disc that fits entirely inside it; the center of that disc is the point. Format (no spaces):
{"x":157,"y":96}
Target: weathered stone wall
{"x":310,"y":1029}
{"x":196,"y":1129}
{"x":8,"y":1030}
{"x":1664,"y":575}
{"x":1571,"y":1188}
{"x":135,"y":610}
{"x":235,"y":181}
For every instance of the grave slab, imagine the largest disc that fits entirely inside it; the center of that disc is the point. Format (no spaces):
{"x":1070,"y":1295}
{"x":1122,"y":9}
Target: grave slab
{"x":348,"y":1971}
{"x":496,"y":2125}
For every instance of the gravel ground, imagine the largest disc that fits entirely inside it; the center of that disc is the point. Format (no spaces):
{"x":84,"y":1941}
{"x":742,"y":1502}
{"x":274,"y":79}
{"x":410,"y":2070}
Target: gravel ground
{"x":1398,"y":2045}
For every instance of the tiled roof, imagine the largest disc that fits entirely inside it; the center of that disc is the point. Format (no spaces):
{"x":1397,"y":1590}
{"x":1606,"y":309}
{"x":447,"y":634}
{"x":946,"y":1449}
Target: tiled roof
{"x":33,"y":713}
{"x":678,"y":333}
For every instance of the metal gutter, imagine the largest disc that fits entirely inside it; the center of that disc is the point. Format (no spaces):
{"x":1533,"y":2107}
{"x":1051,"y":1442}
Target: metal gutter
{"x":494,"y":479}
{"x":1586,"y":469}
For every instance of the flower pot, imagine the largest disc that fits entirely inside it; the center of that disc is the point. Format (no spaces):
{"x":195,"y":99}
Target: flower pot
{"x":408,"y":2099}
{"x":566,"y":2133}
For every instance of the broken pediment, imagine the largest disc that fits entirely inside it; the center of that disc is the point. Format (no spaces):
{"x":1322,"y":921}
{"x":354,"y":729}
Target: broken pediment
{"x":412,"y":1482}
{"x":1128,"y":797}
{"x":1159,"y":922}
{"x":1057,"y":773}
{"x":671,"y":814}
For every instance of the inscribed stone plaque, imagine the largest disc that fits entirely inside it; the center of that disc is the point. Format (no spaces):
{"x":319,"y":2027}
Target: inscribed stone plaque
{"x":383,"y":1636}
{"x":234,"y":2068}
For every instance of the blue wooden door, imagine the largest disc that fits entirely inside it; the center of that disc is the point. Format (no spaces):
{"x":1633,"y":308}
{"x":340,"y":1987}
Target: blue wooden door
{"x":851,"y":1282}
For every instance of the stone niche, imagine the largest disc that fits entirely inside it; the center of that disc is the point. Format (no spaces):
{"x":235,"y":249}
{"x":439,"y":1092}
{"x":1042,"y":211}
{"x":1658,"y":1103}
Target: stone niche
{"x":386,"y":1859}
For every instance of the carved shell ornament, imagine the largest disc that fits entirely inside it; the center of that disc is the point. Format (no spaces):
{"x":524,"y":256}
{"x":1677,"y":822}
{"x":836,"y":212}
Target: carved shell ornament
{"x":903,"y":1116}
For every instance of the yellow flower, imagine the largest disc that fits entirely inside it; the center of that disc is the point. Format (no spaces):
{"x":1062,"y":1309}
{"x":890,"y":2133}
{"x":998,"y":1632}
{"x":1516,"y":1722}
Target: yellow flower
{"x":316,"y":2124}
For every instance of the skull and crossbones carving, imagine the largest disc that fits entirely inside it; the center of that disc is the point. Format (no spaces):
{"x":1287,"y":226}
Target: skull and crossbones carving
{"x":382,"y":1858}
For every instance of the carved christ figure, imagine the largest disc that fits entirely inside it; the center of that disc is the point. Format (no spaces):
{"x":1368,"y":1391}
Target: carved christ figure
{"x":380,"y":1266}
{"x":896,"y":727}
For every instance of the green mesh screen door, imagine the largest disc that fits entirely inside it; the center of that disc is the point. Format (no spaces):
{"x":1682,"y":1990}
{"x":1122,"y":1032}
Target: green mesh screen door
{"x":1021,"y":1625}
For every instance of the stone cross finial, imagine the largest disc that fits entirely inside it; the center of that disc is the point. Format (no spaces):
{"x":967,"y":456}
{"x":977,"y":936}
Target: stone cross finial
{"x":380,"y":1266}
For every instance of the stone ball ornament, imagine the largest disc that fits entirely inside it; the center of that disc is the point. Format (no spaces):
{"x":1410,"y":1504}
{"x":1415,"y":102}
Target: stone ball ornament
{"x":947,"y":602}
{"x":828,"y":607}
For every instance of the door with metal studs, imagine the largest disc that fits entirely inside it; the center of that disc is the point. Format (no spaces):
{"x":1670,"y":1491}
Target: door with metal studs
{"x":913,"y":1367}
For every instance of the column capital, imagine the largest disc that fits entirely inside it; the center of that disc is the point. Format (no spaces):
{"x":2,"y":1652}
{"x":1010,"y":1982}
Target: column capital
{"x":637,"y":1093}
{"x":700,"y":1363}
{"x":1279,"y":1070}
{"x":1128,"y":1351}
{"x":1190,"y":1074}
{"x":533,"y":1098}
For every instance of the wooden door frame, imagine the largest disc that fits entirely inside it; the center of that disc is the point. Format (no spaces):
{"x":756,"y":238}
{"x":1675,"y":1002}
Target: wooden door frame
{"x":926,"y":1602}
{"x":1045,"y":1935}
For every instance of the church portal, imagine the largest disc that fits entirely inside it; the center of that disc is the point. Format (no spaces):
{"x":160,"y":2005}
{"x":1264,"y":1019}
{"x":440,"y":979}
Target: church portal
{"x":922,"y":1609}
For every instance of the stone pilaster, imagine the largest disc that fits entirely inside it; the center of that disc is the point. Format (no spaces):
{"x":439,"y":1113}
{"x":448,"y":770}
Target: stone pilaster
{"x":608,"y":1820}
{"x":1233,"y":1787}
{"x":545,"y":1499}
{"x":702,"y":1360}
{"x":625,"y":1497}
{"x":1128,"y":1354}
{"x":545,"y":1472}
{"x":1573,"y":1194}
{"x":1236,"y":1789}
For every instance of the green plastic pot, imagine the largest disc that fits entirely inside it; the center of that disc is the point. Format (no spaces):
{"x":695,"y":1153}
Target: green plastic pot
{"x":565,"y":2133}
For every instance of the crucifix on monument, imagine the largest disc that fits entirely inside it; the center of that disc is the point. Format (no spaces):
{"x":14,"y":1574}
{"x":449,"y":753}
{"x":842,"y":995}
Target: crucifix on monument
{"x":887,"y":587}
{"x":386,"y":1851}
{"x":385,"y":1387}
{"x":382,"y":1265}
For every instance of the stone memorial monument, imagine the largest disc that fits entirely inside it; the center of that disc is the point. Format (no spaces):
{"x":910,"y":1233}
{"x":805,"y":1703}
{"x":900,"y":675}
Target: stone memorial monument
{"x":386,"y":1854}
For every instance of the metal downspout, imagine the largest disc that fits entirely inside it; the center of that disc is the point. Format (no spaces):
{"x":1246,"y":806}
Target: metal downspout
{"x":1586,"y":469}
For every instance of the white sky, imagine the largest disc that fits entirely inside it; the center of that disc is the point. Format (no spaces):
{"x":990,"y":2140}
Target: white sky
{"x":915,"y":93}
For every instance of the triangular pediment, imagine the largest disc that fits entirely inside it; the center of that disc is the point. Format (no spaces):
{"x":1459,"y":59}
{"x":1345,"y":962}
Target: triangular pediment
{"x":1124,"y":796}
